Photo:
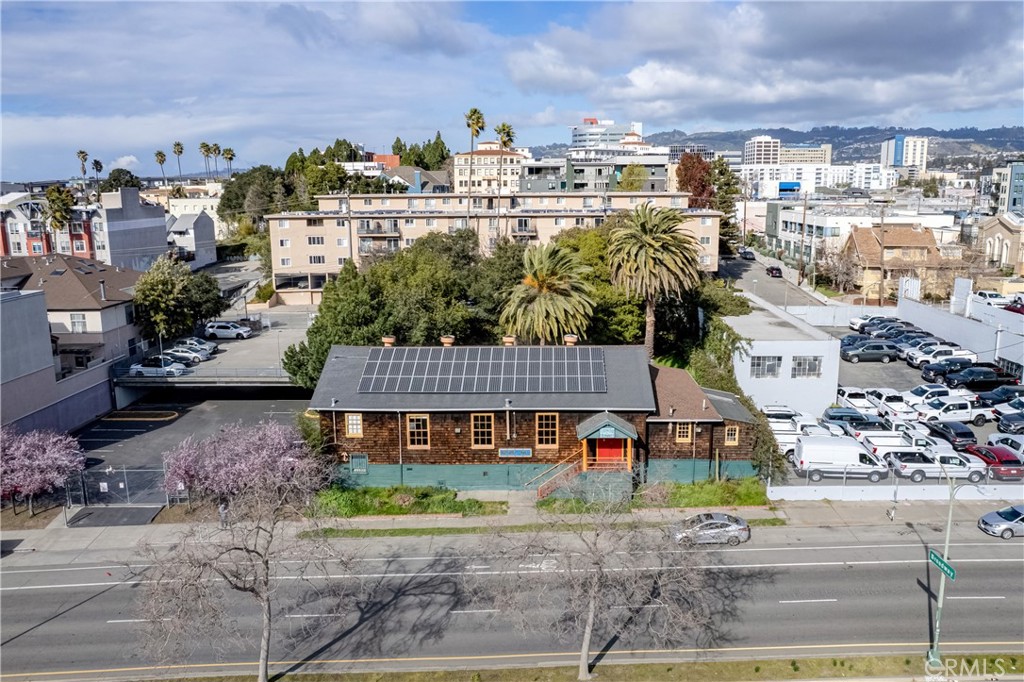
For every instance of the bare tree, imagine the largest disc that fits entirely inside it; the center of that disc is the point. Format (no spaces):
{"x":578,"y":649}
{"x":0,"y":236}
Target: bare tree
{"x":838,"y":267}
{"x":249,"y":482}
{"x":604,"y":576}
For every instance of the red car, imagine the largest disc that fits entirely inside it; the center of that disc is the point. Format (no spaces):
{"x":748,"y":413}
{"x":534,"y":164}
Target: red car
{"x":1002,"y":463}
{"x":1015,"y":307}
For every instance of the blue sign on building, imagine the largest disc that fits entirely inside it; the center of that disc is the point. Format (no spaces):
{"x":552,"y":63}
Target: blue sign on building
{"x":515,"y":452}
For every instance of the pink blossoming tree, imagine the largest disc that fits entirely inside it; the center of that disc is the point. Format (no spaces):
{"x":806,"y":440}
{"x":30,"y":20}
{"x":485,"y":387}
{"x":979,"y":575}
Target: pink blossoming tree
{"x":37,"y":462}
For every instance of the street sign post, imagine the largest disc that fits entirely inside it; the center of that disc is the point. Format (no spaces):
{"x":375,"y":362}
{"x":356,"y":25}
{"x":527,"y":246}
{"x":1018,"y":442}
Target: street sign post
{"x":942,"y":564}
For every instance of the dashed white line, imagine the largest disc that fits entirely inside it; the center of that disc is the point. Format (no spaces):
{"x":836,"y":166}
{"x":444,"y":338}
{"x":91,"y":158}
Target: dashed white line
{"x":476,"y":611}
{"x":313,"y":615}
{"x":806,"y":601}
{"x":978,"y":597}
{"x":133,"y":620}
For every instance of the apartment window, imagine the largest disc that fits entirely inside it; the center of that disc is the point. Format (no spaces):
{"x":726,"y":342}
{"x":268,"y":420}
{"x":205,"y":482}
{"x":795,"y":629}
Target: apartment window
{"x":705,"y":240}
{"x":385,"y":202}
{"x":634,"y":200}
{"x":483,"y":430}
{"x":765,"y":366}
{"x":284,"y":243}
{"x":79,"y":245}
{"x":77,"y":323}
{"x":342,"y":205}
{"x":676,"y":202}
{"x":367,"y":202}
{"x":431,"y":222}
{"x":413,"y":203}
{"x":317,"y":260}
{"x":282,"y":223}
{"x":409,"y":222}
{"x":559,"y":222}
{"x":315,"y":222}
{"x":342,"y":260}
{"x":353,"y":425}
{"x":315,"y":241}
{"x":37,"y":248}
{"x":16,"y":247}
{"x":522,"y":224}
{"x":429,"y":203}
{"x":364,"y":224}
{"x":391,"y":224}
{"x":341,"y":242}
{"x":285,"y":262}
{"x":588,"y":202}
{"x":543,"y":201}
{"x":340,"y":222}
{"x":684,"y":433}
{"x":417,"y":429}
{"x":705,"y":260}
{"x":446,"y":201}
{"x":705,"y":221}
{"x":580,"y":222}
{"x":560,"y":201}
{"x":805,"y":366}
{"x":547,"y":429}
{"x":732,"y":435}
{"x":76,"y":228}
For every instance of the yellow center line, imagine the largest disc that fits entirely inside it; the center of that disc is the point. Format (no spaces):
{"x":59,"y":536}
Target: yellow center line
{"x":499,"y":657}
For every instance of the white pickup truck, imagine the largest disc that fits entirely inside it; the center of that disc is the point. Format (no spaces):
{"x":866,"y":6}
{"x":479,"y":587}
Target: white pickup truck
{"x":802,"y":426}
{"x":926,"y":392}
{"x":888,"y":402}
{"x":928,"y":354}
{"x":884,"y":442}
{"x":918,"y":466}
{"x":954,"y":408}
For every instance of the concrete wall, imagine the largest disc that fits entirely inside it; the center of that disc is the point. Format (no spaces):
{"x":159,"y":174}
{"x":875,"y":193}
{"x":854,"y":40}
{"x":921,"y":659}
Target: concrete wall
{"x":24,"y":335}
{"x":73,"y":411}
{"x":834,"y":315}
{"x":982,"y":338}
{"x":810,"y":394}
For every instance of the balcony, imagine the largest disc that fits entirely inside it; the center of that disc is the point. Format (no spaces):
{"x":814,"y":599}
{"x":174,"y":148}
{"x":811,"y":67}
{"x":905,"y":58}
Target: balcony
{"x":377,"y":249}
{"x":378,"y":229}
{"x":524,"y":231}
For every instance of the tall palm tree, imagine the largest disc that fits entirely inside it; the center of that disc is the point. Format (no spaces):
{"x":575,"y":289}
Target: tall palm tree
{"x":506,"y":137}
{"x":161,"y":159}
{"x":475,"y":122}
{"x":83,"y":156}
{"x":204,"y":149}
{"x":178,"y":149}
{"x":650,"y":256}
{"x":97,"y":168}
{"x":229,"y":156}
{"x":215,"y":151}
{"x":552,"y":300}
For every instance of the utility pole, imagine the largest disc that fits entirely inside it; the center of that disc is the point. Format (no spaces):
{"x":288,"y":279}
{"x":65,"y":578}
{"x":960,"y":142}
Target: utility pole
{"x":803,"y":239}
{"x":881,"y":259}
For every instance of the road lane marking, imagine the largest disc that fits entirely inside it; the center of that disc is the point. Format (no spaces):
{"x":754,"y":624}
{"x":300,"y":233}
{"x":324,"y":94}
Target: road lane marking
{"x":477,"y":611}
{"x":121,"y":430}
{"x":979,"y":597}
{"x":133,"y":620}
{"x":572,"y":655}
{"x":313,"y":615}
{"x":806,"y":601}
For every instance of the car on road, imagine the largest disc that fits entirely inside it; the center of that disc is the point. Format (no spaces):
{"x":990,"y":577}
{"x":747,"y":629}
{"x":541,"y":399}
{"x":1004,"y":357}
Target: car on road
{"x":747,"y":254}
{"x":1003,"y":394}
{"x":880,"y":351}
{"x":773,"y":271}
{"x":196,"y":342}
{"x":922,"y":465}
{"x":1004,"y":523}
{"x":1012,"y":442}
{"x":227,"y":330}
{"x":186,"y":360}
{"x":989,"y":297}
{"x":980,"y":378}
{"x":191,"y":352}
{"x":1002,"y":464}
{"x":156,"y":367}
{"x":958,"y":434}
{"x":853,"y":397}
{"x":712,"y":528}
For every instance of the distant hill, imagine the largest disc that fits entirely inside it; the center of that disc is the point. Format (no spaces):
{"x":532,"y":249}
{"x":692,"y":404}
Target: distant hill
{"x":848,"y":144}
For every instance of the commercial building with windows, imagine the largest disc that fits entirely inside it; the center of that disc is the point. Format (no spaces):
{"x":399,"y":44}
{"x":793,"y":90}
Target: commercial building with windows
{"x":761,"y":150}
{"x":309,"y":247}
{"x":599,"y":132}
{"x":902,"y":151}
{"x":784,"y":360}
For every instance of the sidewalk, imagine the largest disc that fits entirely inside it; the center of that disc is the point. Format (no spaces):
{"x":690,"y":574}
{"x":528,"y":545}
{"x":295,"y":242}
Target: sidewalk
{"x":116,"y":539}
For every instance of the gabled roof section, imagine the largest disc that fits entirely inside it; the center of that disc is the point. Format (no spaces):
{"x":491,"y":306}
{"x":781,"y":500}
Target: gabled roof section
{"x":605,"y":425}
{"x":182,"y":224}
{"x":729,"y":406}
{"x":680,"y":398}
{"x":407,"y":174}
{"x":866,"y":243}
{"x":72,"y":283}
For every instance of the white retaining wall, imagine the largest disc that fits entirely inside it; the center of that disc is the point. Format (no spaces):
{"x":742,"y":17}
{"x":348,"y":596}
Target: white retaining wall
{"x":977,"y":336}
{"x":837,"y":315}
{"x":893,"y":493}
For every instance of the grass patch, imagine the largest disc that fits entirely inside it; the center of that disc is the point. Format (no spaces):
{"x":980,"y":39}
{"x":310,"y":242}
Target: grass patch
{"x":745,"y":492}
{"x":715,"y":671}
{"x":23,"y":521}
{"x":465,"y":530}
{"x":398,"y":501}
{"x":766,"y":522}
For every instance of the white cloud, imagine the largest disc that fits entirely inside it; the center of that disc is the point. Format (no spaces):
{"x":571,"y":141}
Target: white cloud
{"x":128,"y":162}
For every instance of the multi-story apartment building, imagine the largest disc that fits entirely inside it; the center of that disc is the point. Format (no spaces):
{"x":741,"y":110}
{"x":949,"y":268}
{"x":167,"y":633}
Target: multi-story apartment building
{"x":806,"y":153}
{"x":701,"y":150}
{"x":310,"y":247}
{"x":902,"y":151}
{"x":196,"y":205}
{"x":761,"y":150}
{"x":1008,"y":187}
{"x":491,"y":168}
{"x":596,"y":133}
{"x":766,"y":181}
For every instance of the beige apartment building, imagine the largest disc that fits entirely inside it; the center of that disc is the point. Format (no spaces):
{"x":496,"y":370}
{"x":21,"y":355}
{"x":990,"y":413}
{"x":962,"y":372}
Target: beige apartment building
{"x":491,"y":168}
{"x":308,"y":248}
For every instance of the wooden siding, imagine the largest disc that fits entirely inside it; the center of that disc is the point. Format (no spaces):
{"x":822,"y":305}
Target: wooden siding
{"x":661,"y":437}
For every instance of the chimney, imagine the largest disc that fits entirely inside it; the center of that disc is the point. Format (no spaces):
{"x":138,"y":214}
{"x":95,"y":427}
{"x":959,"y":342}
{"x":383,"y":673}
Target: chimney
{"x":570,"y":339}
{"x":447,"y":340}
{"x":417,"y":182}
{"x":103,"y":289}
{"x":388,"y":341}
{"x":508,"y":340}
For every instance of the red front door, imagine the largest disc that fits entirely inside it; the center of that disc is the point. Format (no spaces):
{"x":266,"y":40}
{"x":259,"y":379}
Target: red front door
{"x":609,"y":450}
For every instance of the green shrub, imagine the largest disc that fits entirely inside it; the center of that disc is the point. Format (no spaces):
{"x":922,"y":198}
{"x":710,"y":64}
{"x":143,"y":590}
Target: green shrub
{"x":263,"y":293}
{"x":395,"y":500}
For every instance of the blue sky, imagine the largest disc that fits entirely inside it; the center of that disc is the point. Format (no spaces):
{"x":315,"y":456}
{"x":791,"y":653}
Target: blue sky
{"x":121,"y":80}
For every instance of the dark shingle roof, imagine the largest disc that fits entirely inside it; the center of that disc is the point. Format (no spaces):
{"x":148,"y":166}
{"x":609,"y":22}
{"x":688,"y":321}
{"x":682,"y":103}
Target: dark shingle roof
{"x":729,"y":406}
{"x":680,"y":398}
{"x":72,"y":283}
{"x":628,"y":389}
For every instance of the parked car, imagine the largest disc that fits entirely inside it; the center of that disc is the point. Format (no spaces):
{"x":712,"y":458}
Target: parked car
{"x":881,"y":351}
{"x":838,"y":415}
{"x":227,"y":330}
{"x":888,"y":402}
{"x":909,"y":335}
{"x":196,"y":342}
{"x":1015,"y":307}
{"x":876,"y":325}
{"x":820,"y":456}
{"x":918,"y":466}
{"x":958,"y":434}
{"x":183,"y":359}
{"x":857,"y":322}
{"x":780,"y":415}
{"x":773,"y":271}
{"x":853,"y":340}
{"x":924,"y":393}
{"x":156,"y":367}
{"x":1004,"y":523}
{"x":1003,"y":465}
{"x":197,"y":354}
{"x":980,"y":378}
{"x":926,"y":354}
{"x":989,"y":297}
{"x":713,"y":527}
{"x":1003,"y":394}
{"x":906,"y":347}
{"x":1011,"y":423}
{"x":894,"y":329}
{"x":853,"y":397}
{"x":1010,"y":441}
{"x":934,"y":371}
{"x":871,"y":320}
{"x":747,"y":254}
{"x":1014,"y":406}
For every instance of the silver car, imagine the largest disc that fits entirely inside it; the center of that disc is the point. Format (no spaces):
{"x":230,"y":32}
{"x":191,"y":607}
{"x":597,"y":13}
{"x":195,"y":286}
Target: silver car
{"x":711,"y":528}
{"x":1004,"y":523}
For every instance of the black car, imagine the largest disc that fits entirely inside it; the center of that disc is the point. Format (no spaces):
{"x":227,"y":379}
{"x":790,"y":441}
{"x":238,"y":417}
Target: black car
{"x":979,"y":378}
{"x":877,"y":325}
{"x":934,"y":371}
{"x":747,"y":255}
{"x":773,"y":271}
{"x":1003,"y":394}
{"x":876,"y":322}
{"x":891,"y":334}
{"x":910,"y":335}
{"x":1011,"y":423}
{"x":959,"y":435}
{"x":853,"y":340}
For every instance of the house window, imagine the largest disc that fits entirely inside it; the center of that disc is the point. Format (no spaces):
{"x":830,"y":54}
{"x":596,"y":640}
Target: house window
{"x":340,"y":223}
{"x":359,"y":463}
{"x":547,"y":429}
{"x":37,"y":248}
{"x":77,"y":323}
{"x":353,"y":425}
{"x":684,"y":433}
{"x":417,"y":428}
{"x":284,"y":243}
{"x":805,"y":366}
{"x":765,"y":366}
{"x":282,"y":223}
{"x":343,"y":243}
{"x":76,"y":228}
{"x":317,"y":260}
{"x":79,"y":245}
{"x":483,"y":430}
{"x":315,"y":241}
{"x":129,"y":314}
{"x":705,"y":240}
{"x":732,"y":435}
{"x":285,"y":262}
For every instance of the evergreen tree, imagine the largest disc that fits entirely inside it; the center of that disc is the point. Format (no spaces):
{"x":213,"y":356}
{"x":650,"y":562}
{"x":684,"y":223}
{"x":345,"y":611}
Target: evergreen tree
{"x":633,"y":178}
{"x":398,"y":147}
{"x":727,"y":189}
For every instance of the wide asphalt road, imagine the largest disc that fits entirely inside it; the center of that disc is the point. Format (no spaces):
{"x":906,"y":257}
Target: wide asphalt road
{"x":751,"y":276}
{"x":791,"y":592}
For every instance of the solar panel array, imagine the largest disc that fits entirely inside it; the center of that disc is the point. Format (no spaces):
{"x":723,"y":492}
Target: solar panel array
{"x":502,"y":369}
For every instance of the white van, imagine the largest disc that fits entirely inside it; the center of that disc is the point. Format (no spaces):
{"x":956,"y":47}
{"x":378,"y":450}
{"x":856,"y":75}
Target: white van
{"x":820,"y":456}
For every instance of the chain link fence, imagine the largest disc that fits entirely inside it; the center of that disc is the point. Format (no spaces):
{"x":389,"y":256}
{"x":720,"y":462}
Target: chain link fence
{"x":117,"y":485}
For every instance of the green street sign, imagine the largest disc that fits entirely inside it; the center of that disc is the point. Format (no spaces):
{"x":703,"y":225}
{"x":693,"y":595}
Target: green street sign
{"x":942,"y":564}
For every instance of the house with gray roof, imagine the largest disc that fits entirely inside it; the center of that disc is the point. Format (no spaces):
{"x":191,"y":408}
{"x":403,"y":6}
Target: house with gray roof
{"x":191,"y":236}
{"x":418,"y":180}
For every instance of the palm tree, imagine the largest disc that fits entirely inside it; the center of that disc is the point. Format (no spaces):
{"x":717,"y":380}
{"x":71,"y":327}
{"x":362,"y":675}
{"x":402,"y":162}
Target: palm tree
{"x":229,"y":156}
{"x":97,"y":168}
{"x":161,"y":159}
{"x":650,"y":257}
{"x":475,"y":123}
{"x":204,"y":149}
{"x":178,"y":149}
{"x":83,"y":156}
{"x":553,"y":298}
{"x":215,"y":151}
{"x":506,"y":137}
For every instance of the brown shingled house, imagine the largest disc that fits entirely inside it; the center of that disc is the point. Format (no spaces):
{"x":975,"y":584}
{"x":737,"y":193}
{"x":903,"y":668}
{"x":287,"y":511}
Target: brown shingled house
{"x":910,"y":251}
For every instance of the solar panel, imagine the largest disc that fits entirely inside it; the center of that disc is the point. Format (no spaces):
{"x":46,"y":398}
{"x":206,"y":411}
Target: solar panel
{"x":503,"y":369}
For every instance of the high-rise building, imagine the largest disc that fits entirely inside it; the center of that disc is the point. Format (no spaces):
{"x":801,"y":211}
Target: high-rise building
{"x":761,"y":150}
{"x":903,"y":151}
{"x":596,"y":133}
{"x":806,"y":153}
